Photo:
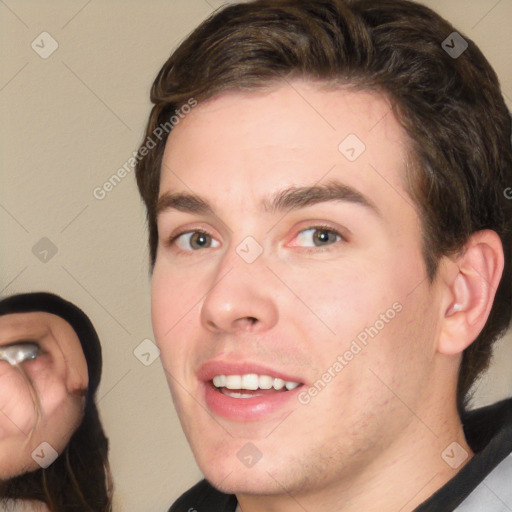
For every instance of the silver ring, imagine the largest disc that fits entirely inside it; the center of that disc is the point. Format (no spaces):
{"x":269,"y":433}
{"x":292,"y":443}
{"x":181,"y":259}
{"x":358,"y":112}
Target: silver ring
{"x":19,"y":352}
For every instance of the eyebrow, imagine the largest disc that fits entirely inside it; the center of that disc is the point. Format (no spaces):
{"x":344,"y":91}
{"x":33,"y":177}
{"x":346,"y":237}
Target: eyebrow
{"x":291,"y":198}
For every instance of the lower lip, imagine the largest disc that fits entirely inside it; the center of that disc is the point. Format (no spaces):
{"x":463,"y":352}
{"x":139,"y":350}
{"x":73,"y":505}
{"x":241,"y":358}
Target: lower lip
{"x":246,"y":409}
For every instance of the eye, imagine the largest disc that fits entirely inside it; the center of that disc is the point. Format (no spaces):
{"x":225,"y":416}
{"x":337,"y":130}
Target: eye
{"x":319,"y":236}
{"x":194,"y":240}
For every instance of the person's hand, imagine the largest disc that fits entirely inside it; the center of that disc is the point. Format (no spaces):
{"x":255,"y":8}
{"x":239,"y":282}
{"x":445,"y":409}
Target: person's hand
{"x":42,"y":397}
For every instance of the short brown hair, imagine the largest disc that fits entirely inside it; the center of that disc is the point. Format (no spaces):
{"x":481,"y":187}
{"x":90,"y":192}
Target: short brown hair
{"x":452,"y":110}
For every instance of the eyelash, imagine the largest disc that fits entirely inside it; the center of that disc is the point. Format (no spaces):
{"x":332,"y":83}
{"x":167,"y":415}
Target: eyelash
{"x":306,"y":250}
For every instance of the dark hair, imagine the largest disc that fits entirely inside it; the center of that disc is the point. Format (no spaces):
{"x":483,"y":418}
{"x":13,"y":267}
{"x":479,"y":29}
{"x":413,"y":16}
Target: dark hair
{"x":79,"y":479}
{"x":456,"y":121}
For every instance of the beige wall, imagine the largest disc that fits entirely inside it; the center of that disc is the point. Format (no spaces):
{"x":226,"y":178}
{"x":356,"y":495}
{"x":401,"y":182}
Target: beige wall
{"x":68,"y":123}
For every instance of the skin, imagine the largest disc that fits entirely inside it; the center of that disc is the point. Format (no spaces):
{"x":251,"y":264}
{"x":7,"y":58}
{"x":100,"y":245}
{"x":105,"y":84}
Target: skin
{"x":59,"y":378}
{"x":372,"y":438}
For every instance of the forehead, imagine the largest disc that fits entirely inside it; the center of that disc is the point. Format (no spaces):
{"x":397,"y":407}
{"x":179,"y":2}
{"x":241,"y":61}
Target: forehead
{"x":295,"y":133}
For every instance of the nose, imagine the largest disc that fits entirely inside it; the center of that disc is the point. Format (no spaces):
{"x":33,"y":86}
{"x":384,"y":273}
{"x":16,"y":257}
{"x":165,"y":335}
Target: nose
{"x":242,"y":298}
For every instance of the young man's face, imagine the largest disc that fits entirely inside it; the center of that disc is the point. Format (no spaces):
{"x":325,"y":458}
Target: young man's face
{"x":338,"y":294}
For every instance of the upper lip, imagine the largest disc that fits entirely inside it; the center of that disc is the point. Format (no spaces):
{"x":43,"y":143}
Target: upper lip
{"x":210,"y":369}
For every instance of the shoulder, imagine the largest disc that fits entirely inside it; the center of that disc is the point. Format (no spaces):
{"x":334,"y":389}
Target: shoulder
{"x":203,"y":496}
{"x":494,"y":493}
{"x":484,"y":482}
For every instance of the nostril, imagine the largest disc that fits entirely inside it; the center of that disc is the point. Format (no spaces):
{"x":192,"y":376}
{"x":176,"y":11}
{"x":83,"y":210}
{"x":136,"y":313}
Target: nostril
{"x":249,"y":322}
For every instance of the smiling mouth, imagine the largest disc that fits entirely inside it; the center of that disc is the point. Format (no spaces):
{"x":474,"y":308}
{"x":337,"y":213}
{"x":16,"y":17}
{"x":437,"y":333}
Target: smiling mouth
{"x":251,"y":385}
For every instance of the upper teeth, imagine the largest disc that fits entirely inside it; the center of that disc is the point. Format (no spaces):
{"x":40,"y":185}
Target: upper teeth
{"x":252,"y":381}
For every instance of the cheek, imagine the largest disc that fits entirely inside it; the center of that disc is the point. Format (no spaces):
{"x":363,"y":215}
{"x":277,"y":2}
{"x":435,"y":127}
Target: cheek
{"x":174,"y":306}
{"x":399,"y":353}
{"x":375,"y":314}
{"x":173,"y":294}
{"x":337,"y":302}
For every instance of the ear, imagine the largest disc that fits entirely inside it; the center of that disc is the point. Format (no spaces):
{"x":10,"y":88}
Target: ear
{"x":470,"y":284}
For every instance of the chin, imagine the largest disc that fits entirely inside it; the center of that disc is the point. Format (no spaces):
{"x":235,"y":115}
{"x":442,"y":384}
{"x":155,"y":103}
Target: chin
{"x":247,"y":481}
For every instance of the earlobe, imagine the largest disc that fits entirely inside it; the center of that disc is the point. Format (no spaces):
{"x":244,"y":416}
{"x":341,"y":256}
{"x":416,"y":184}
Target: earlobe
{"x":475,"y":276}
